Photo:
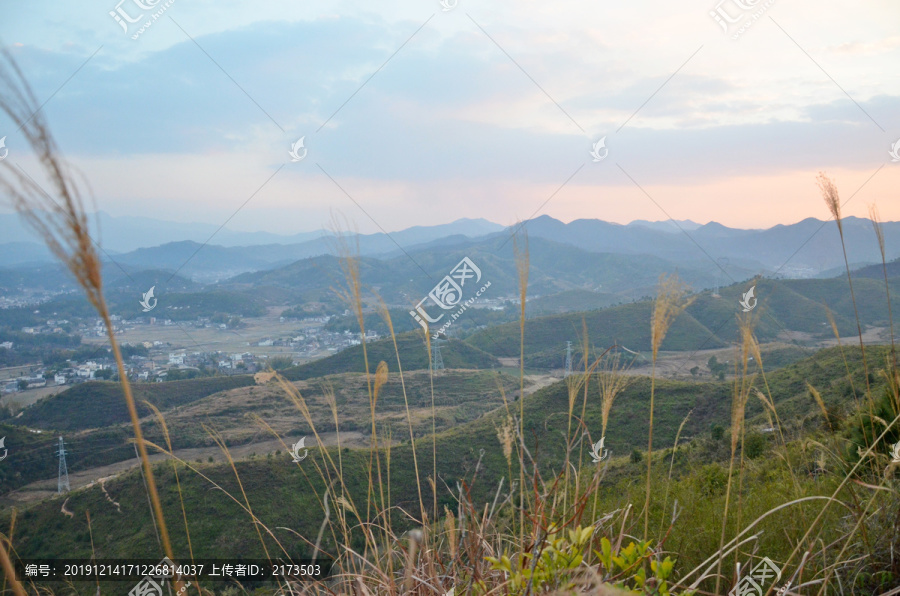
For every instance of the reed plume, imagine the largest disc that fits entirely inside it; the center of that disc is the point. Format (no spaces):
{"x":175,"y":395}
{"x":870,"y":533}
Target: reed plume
{"x":738,"y":410}
{"x":879,"y":235}
{"x":671,"y":300}
{"x":611,"y":381}
{"x":833,"y":202}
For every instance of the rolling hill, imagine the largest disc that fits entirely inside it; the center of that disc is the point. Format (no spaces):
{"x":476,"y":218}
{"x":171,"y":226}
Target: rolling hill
{"x":277,"y":490}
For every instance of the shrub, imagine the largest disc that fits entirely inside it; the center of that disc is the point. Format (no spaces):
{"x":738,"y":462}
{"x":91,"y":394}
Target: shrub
{"x":754,"y":445}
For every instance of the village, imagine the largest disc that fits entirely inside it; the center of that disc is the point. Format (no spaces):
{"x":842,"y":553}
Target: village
{"x":179,"y":353}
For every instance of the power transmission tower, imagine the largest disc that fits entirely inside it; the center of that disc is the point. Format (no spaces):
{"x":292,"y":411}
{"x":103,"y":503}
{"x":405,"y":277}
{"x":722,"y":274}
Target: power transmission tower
{"x":568,"y":358}
{"x":437,"y":361}
{"x":63,"y":482}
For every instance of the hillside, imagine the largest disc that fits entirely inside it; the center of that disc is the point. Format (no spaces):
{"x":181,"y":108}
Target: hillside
{"x":626,"y":324}
{"x":877,"y":271}
{"x":192,"y":407}
{"x":413,"y":356}
{"x":219,"y":527}
{"x":785,"y":308}
{"x":554,"y":267}
{"x":804,"y":247}
{"x":97,"y":404}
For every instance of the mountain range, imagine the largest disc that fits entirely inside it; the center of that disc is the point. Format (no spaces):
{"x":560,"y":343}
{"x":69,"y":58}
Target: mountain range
{"x":709,"y":253}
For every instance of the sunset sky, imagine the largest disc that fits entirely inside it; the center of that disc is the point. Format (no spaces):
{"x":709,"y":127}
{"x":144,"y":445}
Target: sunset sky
{"x":488,"y":109}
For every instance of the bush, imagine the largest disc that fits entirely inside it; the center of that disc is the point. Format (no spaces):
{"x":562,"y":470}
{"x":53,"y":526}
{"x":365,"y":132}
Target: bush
{"x":281,"y":362}
{"x":754,"y":445}
{"x":712,"y":479}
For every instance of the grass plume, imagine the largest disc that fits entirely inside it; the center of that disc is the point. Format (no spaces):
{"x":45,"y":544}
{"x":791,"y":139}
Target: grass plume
{"x":671,"y":300}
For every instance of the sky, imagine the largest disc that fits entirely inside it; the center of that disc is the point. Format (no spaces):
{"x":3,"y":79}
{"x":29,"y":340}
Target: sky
{"x":418,"y":113}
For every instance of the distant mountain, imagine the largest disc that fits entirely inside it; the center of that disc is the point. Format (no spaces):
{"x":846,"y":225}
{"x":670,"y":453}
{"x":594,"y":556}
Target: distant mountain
{"x":210,"y":263}
{"x":670,"y":225}
{"x":553,"y":268}
{"x":117,"y":234}
{"x":15,"y":254}
{"x":120,"y":234}
{"x":802,"y":249}
{"x":712,"y":252}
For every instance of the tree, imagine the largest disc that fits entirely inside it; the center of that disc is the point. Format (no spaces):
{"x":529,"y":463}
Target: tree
{"x":22,"y":384}
{"x":754,"y":445}
{"x":281,"y":362}
{"x":695,"y":371}
{"x":636,"y":456}
{"x":105,"y":373}
{"x":717,"y":431}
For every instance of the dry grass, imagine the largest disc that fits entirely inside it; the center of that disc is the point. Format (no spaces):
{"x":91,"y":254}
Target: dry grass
{"x":671,"y":300}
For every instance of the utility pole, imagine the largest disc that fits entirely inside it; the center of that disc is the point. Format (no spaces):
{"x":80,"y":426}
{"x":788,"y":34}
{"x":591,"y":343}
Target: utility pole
{"x":63,"y":481}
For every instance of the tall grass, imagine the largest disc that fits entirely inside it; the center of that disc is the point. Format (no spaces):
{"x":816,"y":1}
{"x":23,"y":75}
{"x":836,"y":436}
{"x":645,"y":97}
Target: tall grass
{"x":879,"y":237}
{"x":833,"y":202}
{"x":741,"y":393}
{"x":671,"y":300}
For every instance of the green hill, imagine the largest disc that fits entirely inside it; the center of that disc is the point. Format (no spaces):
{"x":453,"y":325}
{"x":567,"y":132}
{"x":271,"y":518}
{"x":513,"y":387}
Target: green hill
{"x":793,"y":306}
{"x":413,"y":356}
{"x":97,"y":404}
{"x":627,"y":325}
{"x":284,"y":495}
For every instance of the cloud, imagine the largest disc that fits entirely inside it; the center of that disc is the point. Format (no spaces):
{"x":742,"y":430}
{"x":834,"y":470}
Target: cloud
{"x":481,"y":107}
